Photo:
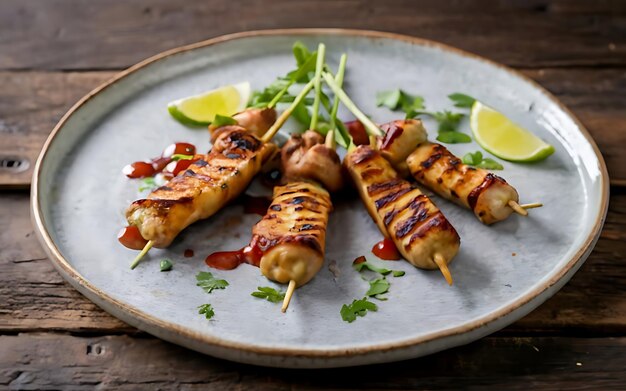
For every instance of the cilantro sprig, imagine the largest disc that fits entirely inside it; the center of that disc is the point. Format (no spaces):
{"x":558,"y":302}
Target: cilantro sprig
{"x":269,"y":294}
{"x":349,"y":312}
{"x":209,"y":283}
{"x":476,"y":159}
{"x":462,"y":100}
{"x":147,"y":184}
{"x":206,"y":310}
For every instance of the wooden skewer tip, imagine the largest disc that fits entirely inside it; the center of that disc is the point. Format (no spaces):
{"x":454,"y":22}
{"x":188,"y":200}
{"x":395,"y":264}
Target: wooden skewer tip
{"x":532,"y":205}
{"x":143,"y":252}
{"x":517,"y":208}
{"x":443,"y":266}
{"x":290,"y":289}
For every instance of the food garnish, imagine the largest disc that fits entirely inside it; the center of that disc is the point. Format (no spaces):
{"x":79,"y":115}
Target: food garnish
{"x":269,"y":294}
{"x":200,"y":110}
{"x":349,"y":312}
{"x":206,"y":310}
{"x":476,"y":159}
{"x":208,"y":282}
{"x":166,"y":265}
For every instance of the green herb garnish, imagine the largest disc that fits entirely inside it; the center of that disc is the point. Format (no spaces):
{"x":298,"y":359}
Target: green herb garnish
{"x":398,"y":273}
{"x":223,"y":120}
{"x":359,"y":266}
{"x":147,"y":184}
{"x":378,"y":287}
{"x":476,"y":159}
{"x":166,"y":265}
{"x":453,"y":137}
{"x":462,"y":100}
{"x":207,"y":282}
{"x":349,"y":312}
{"x":398,"y":100}
{"x":207,"y":310}
{"x":269,"y":294}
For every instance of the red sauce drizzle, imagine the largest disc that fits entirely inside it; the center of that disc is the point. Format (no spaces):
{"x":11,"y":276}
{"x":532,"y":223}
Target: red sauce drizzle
{"x":358,"y":260}
{"x":358,"y":133}
{"x":255,"y":205}
{"x":158,"y":164}
{"x":188,"y":253}
{"x":131,"y":237}
{"x":392,"y":132}
{"x":386,"y":249}
{"x":228,"y":260}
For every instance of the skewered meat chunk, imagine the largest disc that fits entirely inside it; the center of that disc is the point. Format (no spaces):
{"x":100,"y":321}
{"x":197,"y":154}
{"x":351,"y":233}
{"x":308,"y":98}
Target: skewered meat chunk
{"x":256,"y":121}
{"x":400,"y":140}
{"x":482,"y":192}
{"x":292,"y":234}
{"x":306,"y":157}
{"x":417,"y":227}
{"x":201,"y":190}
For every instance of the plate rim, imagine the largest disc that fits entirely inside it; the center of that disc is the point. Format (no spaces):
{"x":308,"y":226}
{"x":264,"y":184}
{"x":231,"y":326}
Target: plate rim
{"x":141,"y":319}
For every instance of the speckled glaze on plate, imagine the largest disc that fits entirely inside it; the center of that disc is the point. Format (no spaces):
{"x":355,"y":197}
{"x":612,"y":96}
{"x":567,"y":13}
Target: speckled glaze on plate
{"x":501,"y":273}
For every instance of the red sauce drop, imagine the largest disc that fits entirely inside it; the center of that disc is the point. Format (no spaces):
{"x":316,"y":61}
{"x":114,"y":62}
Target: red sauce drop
{"x":228,"y":260}
{"x":131,"y":237}
{"x":188,"y":253}
{"x":358,"y":133}
{"x":255,"y":205}
{"x":386,"y":249}
{"x":392,"y":132}
{"x":358,"y":260}
{"x":158,"y":164}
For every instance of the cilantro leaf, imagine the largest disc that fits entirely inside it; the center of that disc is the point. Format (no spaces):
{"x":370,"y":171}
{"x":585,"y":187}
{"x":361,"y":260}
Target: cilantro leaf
{"x":398,"y":273}
{"x":147,"y":184}
{"x":390,"y":99}
{"x":207,"y":310}
{"x":462,"y":100}
{"x":476,"y":159}
{"x":448,"y":121}
{"x":398,"y":100}
{"x":453,"y":137}
{"x":270,"y":294}
{"x":378,"y":287}
{"x":368,"y":265}
{"x":349,"y":312}
{"x":222,"y":120}
{"x":300,"y":52}
{"x":207,"y":282}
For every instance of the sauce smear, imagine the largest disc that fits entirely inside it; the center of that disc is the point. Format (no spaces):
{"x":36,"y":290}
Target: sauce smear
{"x":131,"y":238}
{"x":228,"y":260}
{"x":150,"y":168}
{"x":386,"y":249}
{"x":188,"y":253}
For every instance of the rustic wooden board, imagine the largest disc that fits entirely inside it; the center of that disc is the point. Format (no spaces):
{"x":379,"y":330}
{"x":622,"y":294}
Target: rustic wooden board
{"x":107,"y":34}
{"x":31,"y":103}
{"x":53,"y":361}
{"x":37,"y":299}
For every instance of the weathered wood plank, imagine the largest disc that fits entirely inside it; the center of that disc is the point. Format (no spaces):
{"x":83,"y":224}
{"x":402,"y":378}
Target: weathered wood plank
{"x":32,"y":102}
{"x":105,"y":34}
{"x":52,"y":361}
{"x":35,"y":298}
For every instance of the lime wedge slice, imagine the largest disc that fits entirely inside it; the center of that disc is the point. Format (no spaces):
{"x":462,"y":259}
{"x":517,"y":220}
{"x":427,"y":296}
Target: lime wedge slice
{"x":200,"y":110}
{"x":506,"y":140}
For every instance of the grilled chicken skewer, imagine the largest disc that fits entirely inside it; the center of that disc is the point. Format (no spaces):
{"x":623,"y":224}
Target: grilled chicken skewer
{"x":409,"y":218}
{"x":490,"y":197}
{"x":206,"y":186}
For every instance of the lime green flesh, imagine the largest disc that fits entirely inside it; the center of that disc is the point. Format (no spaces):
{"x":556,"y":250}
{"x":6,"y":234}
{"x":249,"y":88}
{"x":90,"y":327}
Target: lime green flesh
{"x":504,"y":139}
{"x":201,"y":109}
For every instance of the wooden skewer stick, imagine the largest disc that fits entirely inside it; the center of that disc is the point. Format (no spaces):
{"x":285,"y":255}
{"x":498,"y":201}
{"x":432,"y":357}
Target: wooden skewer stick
{"x":443,"y":266}
{"x":517,"y":208}
{"x":532,"y":205}
{"x":143,"y":252}
{"x":290,"y":289}
{"x":285,"y":114}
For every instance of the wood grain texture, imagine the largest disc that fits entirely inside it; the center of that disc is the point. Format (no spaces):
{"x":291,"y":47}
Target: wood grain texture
{"x":106,"y":34}
{"x":31,"y":103}
{"x":52,"y":361}
{"x":37,"y":299}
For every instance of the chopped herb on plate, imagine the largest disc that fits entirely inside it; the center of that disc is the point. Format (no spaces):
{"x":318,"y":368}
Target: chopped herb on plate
{"x":476,"y":159}
{"x":208,"y":282}
{"x":206,"y":310}
{"x":269,"y":294}
{"x":166,"y":265}
{"x":349,"y":312}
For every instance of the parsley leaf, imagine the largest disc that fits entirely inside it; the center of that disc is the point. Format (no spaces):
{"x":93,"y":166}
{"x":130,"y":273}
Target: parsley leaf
{"x":207,"y":310}
{"x":349,"y":312}
{"x":378,"y":287}
{"x":453,"y":137}
{"x":462,"y":100}
{"x":476,"y":159}
{"x":368,"y":265}
{"x":147,"y":184}
{"x":448,"y":121}
{"x":398,"y":273}
{"x":207,"y":282}
{"x":166,"y":265}
{"x":222,"y":120}
{"x":270,"y":294}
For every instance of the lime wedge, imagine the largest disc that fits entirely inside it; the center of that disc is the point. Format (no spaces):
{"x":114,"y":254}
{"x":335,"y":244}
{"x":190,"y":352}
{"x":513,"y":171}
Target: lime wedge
{"x":200,"y":110}
{"x":506,"y":140}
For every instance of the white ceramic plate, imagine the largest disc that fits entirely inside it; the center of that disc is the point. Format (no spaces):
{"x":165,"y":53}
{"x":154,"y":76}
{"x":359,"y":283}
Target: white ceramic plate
{"x":79,"y":195}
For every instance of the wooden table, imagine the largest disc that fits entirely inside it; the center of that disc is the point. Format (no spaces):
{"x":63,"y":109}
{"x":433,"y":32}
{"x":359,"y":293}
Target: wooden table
{"x":52,"y":52}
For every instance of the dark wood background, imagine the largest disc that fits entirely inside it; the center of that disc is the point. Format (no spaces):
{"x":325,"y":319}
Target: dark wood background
{"x":52,"y":52}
